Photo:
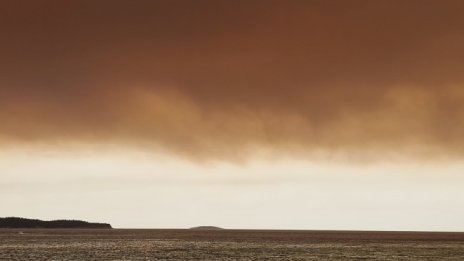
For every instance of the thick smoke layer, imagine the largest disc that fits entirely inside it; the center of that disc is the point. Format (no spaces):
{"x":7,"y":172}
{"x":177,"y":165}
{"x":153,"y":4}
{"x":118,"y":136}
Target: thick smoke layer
{"x":226,"y":78}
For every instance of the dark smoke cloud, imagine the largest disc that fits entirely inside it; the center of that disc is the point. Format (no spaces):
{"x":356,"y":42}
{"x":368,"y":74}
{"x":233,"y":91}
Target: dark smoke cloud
{"x":224,"y":78}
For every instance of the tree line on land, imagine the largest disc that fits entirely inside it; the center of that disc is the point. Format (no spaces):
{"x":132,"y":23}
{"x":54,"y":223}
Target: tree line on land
{"x":15,"y":222}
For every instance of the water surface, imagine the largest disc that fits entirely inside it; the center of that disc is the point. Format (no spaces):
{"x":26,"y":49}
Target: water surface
{"x":162,"y":244}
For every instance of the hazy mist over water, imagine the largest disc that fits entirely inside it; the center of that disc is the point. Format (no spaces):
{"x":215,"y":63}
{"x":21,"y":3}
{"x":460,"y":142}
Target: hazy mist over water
{"x":127,"y":244}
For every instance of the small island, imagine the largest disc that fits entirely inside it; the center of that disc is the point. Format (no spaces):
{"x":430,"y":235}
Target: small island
{"x":16,"y":222}
{"x":206,"y":228}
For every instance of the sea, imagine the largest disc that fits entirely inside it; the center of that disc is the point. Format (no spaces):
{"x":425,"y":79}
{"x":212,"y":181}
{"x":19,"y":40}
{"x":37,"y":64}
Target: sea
{"x":185,"y":244}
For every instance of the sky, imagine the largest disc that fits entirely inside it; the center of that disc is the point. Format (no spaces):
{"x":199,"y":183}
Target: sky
{"x":308,"y":114}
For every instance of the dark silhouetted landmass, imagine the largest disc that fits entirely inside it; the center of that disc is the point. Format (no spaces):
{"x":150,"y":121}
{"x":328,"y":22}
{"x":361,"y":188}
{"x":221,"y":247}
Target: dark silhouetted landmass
{"x":15,"y":222}
{"x":206,"y":228}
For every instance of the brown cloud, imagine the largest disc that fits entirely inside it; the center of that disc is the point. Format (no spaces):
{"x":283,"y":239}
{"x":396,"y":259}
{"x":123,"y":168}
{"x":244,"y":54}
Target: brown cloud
{"x":223,"y":78}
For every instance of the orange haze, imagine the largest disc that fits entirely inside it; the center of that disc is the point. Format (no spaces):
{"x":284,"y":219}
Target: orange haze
{"x":226,"y":78}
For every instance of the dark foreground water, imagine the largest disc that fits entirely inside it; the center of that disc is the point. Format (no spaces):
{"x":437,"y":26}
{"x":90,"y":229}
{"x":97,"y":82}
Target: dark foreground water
{"x":120,"y":244}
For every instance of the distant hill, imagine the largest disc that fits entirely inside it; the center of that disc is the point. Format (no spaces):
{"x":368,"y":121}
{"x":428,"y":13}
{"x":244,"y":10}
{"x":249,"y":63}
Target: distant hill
{"x":206,"y":228}
{"x":15,"y":222}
